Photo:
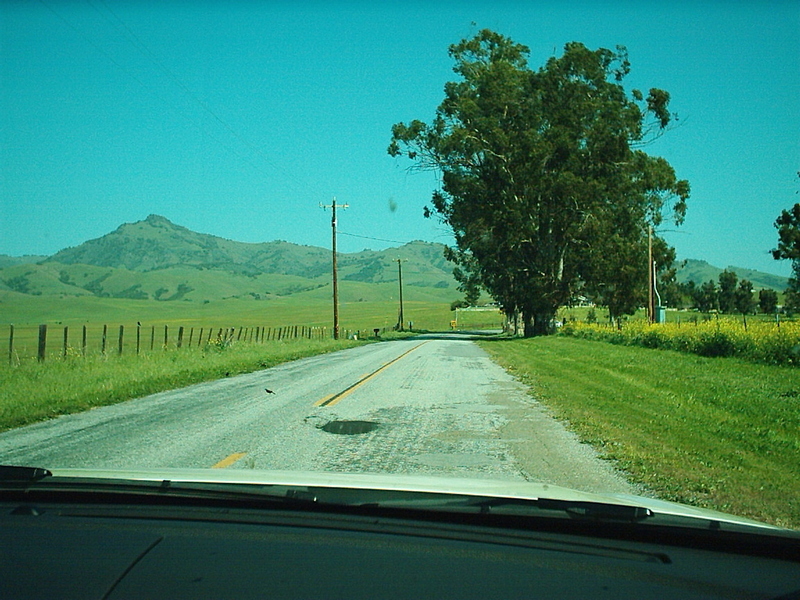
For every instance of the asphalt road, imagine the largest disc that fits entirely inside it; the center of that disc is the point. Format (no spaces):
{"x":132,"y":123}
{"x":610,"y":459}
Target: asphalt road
{"x":432,"y":405}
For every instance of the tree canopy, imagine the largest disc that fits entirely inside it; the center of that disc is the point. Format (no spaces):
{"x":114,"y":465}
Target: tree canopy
{"x":788,"y":226}
{"x":543,"y":180}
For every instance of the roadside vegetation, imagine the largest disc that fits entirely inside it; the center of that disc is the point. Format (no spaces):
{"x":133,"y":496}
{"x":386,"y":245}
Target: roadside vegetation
{"x":32,"y":391}
{"x":718,"y":433}
{"x":760,"y":341}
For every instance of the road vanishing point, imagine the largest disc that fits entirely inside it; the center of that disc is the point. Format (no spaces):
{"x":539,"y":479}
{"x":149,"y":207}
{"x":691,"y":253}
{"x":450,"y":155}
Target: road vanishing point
{"x":433,"y":405}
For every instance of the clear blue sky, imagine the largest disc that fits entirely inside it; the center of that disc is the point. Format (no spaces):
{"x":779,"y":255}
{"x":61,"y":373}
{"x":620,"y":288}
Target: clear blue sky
{"x":239,"y":118}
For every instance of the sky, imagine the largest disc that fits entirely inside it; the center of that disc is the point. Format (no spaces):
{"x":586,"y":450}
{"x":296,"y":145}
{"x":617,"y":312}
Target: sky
{"x":239,"y":118}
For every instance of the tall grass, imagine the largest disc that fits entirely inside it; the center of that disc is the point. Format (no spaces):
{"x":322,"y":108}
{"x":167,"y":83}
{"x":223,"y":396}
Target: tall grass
{"x":33,"y":391}
{"x":760,"y":341}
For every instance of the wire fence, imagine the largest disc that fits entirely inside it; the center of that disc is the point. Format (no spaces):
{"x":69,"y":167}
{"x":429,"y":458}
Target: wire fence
{"x":49,"y":342}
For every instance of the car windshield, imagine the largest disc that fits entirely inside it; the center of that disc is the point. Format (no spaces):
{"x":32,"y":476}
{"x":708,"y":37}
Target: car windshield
{"x":485,"y":243}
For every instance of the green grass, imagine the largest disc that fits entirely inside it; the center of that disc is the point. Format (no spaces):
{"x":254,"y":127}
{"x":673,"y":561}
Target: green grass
{"x":34,"y":392}
{"x":713,"y":432}
{"x":360,"y":309}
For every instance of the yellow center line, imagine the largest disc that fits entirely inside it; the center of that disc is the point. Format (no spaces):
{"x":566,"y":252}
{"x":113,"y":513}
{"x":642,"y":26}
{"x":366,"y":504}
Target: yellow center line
{"x":331,"y":400}
{"x":323,"y":400}
{"x":227,"y":462}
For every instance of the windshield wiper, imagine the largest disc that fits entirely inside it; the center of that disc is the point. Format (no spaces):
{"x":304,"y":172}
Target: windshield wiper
{"x":592,"y":511}
{"x":574,"y":509}
{"x":12,"y":474}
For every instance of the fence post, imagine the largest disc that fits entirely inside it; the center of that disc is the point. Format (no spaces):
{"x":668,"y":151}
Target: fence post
{"x":138,"y":337}
{"x":105,"y":335}
{"x":66,"y":341}
{"x":180,"y":336}
{"x":10,"y":344}
{"x":42,"y":342}
{"x":191,"y":335}
{"x":200,"y":337}
{"x":83,"y":342}
{"x":121,"y":333}
{"x":152,"y":337}
{"x":166,"y":336}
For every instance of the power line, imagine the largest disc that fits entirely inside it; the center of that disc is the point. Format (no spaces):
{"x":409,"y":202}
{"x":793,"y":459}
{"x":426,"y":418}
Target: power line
{"x":366,"y":237}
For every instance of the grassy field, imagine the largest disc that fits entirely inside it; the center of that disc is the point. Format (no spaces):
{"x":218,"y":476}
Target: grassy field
{"x":360,"y":309}
{"x":34,"y":392}
{"x":713,"y":432}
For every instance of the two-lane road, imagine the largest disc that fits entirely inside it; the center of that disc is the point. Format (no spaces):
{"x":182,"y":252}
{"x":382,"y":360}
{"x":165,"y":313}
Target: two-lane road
{"x":433,"y":405}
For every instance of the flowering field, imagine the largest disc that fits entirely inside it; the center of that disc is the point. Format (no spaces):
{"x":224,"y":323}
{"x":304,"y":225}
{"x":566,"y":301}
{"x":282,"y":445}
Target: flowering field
{"x":763,"y":342}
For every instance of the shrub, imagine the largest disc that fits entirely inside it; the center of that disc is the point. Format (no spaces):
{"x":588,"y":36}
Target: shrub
{"x":760,"y":342}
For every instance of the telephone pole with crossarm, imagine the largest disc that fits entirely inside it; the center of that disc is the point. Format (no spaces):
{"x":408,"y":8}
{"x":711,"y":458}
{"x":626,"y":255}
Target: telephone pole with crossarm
{"x":333,"y":206}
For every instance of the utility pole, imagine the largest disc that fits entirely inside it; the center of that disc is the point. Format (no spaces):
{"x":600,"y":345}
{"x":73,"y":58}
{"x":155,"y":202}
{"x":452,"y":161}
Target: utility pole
{"x":333,"y":206}
{"x":400,"y":278}
{"x":650,"y":306}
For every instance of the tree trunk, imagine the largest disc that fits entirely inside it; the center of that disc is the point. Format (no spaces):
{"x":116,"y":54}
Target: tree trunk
{"x":538,"y":323}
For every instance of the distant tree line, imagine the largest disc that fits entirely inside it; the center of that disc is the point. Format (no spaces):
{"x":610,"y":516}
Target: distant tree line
{"x":730,"y":295}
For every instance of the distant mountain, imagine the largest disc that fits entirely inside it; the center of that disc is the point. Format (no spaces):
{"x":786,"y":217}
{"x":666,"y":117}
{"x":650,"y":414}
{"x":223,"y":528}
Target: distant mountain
{"x":157,"y":243}
{"x":157,"y":259}
{"x":700,"y":271}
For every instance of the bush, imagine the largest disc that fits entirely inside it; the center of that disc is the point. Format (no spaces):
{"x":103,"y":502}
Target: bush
{"x":760,"y":342}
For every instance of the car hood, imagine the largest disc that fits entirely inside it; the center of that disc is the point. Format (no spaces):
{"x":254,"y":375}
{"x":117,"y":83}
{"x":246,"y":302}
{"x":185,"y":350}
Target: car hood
{"x":416,"y":484}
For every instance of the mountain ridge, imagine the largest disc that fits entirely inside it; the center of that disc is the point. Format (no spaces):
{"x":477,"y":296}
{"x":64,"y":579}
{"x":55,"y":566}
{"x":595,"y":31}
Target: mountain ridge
{"x":701,"y":271}
{"x":157,"y":259}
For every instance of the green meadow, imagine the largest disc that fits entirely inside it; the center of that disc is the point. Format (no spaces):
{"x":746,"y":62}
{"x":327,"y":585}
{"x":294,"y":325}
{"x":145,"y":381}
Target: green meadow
{"x":720,"y":433}
{"x":363,"y":307}
{"x":713,"y":432}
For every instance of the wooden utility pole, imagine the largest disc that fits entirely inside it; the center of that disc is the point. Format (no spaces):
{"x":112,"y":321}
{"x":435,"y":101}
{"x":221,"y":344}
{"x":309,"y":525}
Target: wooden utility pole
{"x":400,"y":278}
{"x":333,"y":206}
{"x":650,"y":306}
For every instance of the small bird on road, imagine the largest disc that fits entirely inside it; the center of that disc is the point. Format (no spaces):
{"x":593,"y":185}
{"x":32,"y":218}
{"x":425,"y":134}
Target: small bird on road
{"x":268,"y":391}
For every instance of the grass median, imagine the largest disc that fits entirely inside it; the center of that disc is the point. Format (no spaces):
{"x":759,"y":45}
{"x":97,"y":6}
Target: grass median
{"x":31,"y":391}
{"x":719,"y":433}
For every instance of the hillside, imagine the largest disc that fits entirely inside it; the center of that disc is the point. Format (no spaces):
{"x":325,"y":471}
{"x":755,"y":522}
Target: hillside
{"x":158,"y":260}
{"x":8,"y":261}
{"x":700,"y":271}
{"x":157,"y":243}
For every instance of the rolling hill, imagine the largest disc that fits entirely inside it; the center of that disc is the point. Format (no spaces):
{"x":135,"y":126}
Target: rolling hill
{"x":156,"y":259}
{"x":700,"y":271}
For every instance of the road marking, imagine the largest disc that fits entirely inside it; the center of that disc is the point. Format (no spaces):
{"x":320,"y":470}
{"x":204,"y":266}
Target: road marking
{"x":335,"y":398}
{"x":227,"y":462}
{"x":323,"y":400}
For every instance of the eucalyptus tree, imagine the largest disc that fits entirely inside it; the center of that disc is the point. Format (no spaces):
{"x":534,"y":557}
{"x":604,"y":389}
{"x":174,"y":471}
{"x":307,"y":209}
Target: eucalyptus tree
{"x":727,"y":291}
{"x":543,"y":180}
{"x":788,"y":226}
